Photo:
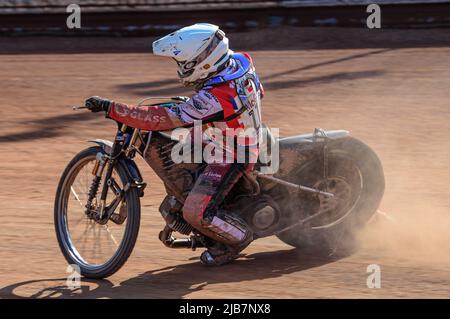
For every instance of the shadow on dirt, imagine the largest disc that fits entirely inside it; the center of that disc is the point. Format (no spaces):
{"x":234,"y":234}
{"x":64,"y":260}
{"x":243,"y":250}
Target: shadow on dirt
{"x":174,"y":90}
{"x":48,"y":127}
{"x":341,"y":76}
{"x":171,"y":87}
{"x":177,"y":281}
{"x":328,"y":62}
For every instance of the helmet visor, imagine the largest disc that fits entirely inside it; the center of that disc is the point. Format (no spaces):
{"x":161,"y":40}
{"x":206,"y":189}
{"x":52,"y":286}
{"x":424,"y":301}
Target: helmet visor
{"x":187,"y":67}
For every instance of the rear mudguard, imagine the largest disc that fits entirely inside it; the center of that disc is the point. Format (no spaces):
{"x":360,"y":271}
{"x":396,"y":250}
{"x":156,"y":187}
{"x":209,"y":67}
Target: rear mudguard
{"x":294,"y":150}
{"x":133,"y":171}
{"x":309,"y":138}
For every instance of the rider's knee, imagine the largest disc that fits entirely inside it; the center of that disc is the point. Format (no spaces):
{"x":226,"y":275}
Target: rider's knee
{"x":193,"y":210}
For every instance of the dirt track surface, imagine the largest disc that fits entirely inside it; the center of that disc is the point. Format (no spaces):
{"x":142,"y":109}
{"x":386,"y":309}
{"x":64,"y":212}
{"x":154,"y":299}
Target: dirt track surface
{"x":396,"y":100}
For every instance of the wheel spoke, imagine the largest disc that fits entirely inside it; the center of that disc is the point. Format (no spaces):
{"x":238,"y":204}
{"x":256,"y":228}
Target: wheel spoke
{"x":76,"y":196}
{"x":111,"y":236}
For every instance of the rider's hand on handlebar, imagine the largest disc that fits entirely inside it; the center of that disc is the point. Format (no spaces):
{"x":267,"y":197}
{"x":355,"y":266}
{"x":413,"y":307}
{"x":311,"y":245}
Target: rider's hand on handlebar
{"x":98,"y":104}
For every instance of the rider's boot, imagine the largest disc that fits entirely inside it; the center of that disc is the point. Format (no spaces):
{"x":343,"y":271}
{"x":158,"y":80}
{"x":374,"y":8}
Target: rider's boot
{"x":220,"y":254}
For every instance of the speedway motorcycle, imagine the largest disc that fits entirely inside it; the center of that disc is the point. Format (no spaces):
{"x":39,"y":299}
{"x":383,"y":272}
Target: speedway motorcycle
{"x":326,"y":187}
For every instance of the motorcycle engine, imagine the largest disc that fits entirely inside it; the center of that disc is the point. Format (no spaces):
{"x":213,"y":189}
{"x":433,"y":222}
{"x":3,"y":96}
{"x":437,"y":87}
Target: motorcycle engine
{"x":263,"y":216}
{"x":170,"y":210}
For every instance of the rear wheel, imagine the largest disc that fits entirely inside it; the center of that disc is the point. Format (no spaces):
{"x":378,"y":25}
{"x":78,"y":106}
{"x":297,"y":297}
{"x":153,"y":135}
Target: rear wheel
{"x":355,"y":176}
{"x":98,"y":248}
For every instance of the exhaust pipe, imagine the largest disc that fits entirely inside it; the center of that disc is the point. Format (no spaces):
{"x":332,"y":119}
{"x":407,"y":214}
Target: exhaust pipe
{"x":165,"y":236}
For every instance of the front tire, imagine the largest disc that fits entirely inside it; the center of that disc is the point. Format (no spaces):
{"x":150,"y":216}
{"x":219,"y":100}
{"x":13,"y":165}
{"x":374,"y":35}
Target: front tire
{"x":357,"y":175}
{"x":71,"y":196}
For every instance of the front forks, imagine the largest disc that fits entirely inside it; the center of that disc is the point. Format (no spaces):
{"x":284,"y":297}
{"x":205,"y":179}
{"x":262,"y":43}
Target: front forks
{"x":105,"y":164}
{"x":93,"y":189}
{"x":99,"y":211}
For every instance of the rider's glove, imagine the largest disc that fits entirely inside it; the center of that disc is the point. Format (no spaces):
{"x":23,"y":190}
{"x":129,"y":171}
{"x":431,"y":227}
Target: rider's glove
{"x":98,"y":104}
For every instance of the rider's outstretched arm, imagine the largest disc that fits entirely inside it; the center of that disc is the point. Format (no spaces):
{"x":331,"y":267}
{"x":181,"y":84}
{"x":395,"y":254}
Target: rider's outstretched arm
{"x":149,"y":118}
{"x":202,"y":106}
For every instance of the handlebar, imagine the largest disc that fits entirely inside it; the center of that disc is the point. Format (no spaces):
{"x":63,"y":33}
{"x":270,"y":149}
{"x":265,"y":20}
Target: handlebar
{"x":76,"y":107}
{"x":140,"y":103}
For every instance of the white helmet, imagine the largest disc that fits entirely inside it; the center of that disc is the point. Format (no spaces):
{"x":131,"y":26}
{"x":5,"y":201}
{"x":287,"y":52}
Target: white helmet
{"x":200,"y":51}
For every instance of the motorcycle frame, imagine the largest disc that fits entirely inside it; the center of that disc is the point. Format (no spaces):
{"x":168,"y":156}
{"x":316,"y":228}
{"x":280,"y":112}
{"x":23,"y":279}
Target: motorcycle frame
{"x":125,"y":148}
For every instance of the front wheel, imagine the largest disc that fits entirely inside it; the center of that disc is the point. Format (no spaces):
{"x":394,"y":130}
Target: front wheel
{"x":355,"y":176}
{"x":98,"y":248}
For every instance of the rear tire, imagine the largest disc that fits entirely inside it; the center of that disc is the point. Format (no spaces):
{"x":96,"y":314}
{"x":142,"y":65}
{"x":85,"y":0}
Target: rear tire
{"x":339,"y":237}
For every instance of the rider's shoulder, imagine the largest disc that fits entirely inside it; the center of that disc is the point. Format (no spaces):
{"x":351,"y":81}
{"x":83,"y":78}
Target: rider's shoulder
{"x":247,"y":56}
{"x":223,"y":90}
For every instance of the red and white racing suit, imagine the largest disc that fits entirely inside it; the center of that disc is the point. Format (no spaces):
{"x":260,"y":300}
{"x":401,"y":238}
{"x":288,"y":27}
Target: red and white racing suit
{"x":238,"y":102}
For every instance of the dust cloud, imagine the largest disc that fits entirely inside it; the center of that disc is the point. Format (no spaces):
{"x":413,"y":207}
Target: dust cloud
{"x":418,"y":234}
